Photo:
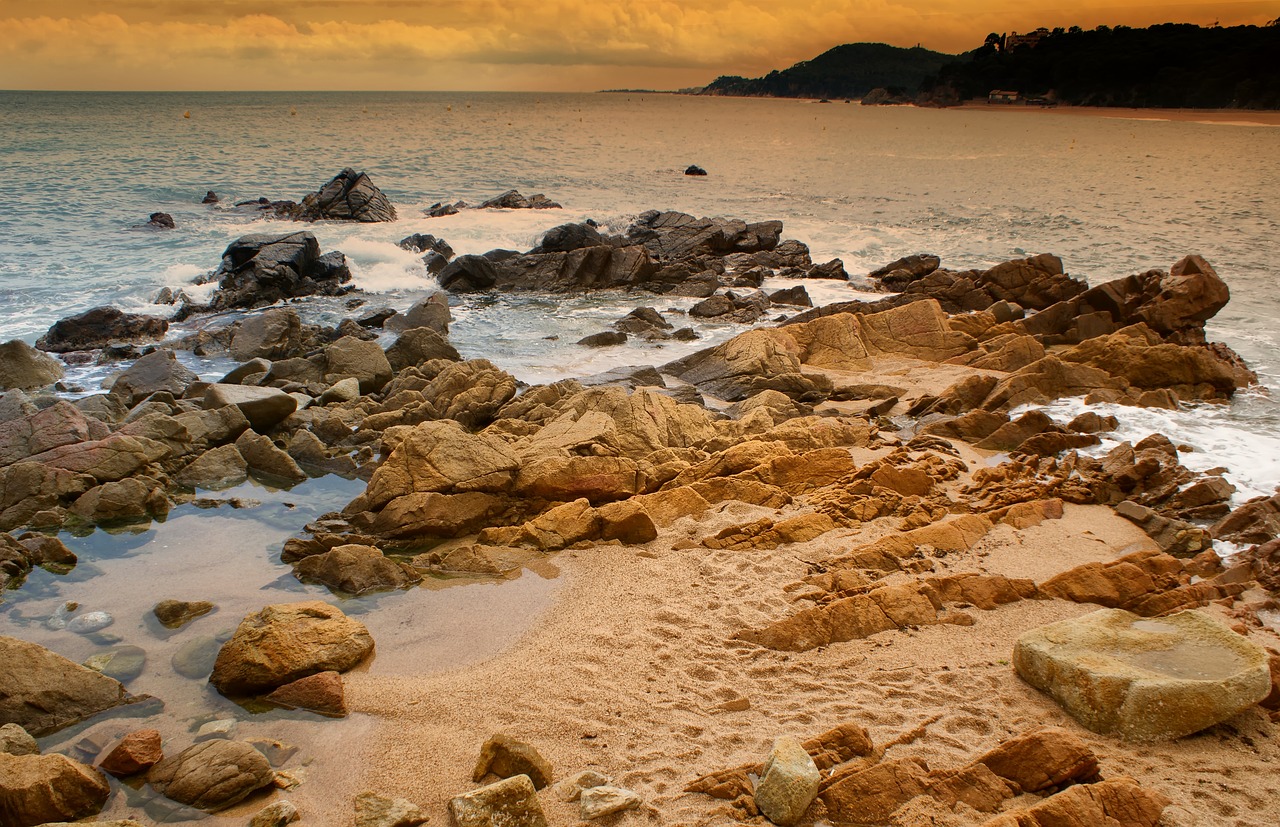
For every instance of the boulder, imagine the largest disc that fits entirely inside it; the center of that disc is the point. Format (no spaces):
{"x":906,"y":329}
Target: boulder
{"x":258,"y":270}
{"x":1117,"y":801}
{"x":160,"y":221}
{"x":513,"y":200}
{"x":25,"y":368}
{"x":43,"y":692}
{"x":871,"y":796}
{"x":788,"y":784}
{"x":1042,"y":758}
{"x":137,"y":752}
{"x":432,"y":312}
{"x":568,"y":237}
{"x":363,"y":360}
{"x":100,"y":327}
{"x":348,"y":196}
{"x":263,"y":457}
{"x":262,"y":407}
{"x":285,"y":642}
{"x":57,"y":425}
{"x":38,"y":789}
{"x":505,"y":757}
{"x":272,"y":334}
{"x":417,"y":345}
{"x":106,"y":460}
{"x":220,"y":467}
{"x":373,"y":810}
{"x":674,"y":235}
{"x":604,"y":339}
{"x":793,"y":296}
{"x":908,"y":268}
{"x":512,"y":802}
{"x":1144,"y":680}
{"x":606,"y":800}
{"x":468,"y":274}
{"x":15,"y":740}
{"x":159,"y":370}
{"x":123,"y":500}
{"x":212,"y":775}
{"x":440,"y":456}
{"x":356,"y":569}
{"x":695,"y":170}
{"x":321,"y":693}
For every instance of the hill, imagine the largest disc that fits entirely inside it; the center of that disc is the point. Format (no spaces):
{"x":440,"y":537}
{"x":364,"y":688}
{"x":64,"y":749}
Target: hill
{"x":848,"y":71}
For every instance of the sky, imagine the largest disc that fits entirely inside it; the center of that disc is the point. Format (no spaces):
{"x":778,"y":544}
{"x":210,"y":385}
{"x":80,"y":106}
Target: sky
{"x":518,"y":45}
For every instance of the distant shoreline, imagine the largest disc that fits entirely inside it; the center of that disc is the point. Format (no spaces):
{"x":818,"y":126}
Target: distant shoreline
{"x":1249,"y":117}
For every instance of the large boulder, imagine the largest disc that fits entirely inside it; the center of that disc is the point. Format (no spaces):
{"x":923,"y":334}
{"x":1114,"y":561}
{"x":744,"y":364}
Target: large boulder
{"x":25,"y":368}
{"x":1144,"y":680}
{"x":568,"y":237}
{"x":440,"y":456}
{"x":159,"y":370}
{"x":106,"y":460}
{"x":356,"y":569}
{"x":352,"y":357}
{"x":262,"y":407}
{"x":258,"y":270}
{"x":272,"y":334}
{"x":468,"y":274}
{"x":53,"y":427}
{"x":674,"y":235}
{"x":38,"y":789}
{"x":212,"y":775}
{"x":348,"y":196}
{"x":417,"y":345}
{"x":1175,"y":304}
{"x":285,"y":642}
{"x":100,"y":327}
{"x":43,"y":692}
{"x":585,"y":268}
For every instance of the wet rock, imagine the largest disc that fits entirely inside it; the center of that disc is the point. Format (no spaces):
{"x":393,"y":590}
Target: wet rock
{"x":43,"y":692}
{"x":195,"y":658}
{"x":788,"y":784}
{"x":174,"y":614}
{"x":793,"y":296}
{"x":568,"y":237}
{"x":210,"y":197}
{"x":123,"y":501}
{"x":418,"y":345}
{"x":906,"y":269}
{"x":350,"y":357}
{"x":605,"y":800}
{"x":25,"y":368}
{"x":674,"y":235}
{"x":273,"y":334}
{"x":288,"y":641}
{"x":15,"y":740}
{"x":348,"y":196}
{"x":356,"y":569}
{"x":100,"y":327}
{"x":321,"y":693}
{"x":212,"y":775}
{"x":509,"y":803}
{"x":161,"y":221}
{"x":1144,"y":680}
{"x":262,"y":407}
{"x":644,"y":321}
{"x":37,"y":789}
{"x":694,"y":169}
{"x":157,"y":371}
{"x":712,"y":307}
{"x":432,"y":312}
{"x":605,"y":339}
{"x":833,"y":269}
{"x":263,"y":457}
{"x":276,"y":814}
{"x":468,"y":274}
{"x":513,"y":200}
{"x":137,"y":752}
{"x":258,"y":270}
{"x":505,"y":757}
{"x":124,"y":663}
{"x":221,"y":467}
{"x":373,"y":810}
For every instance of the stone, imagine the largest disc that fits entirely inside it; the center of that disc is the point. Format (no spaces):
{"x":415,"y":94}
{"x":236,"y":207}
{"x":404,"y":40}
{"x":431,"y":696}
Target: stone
{"x":262,"y":407}
{"x":220,"y":728}
{"x":157,"y":371}
{"x":127,"y":500}
{"x":1042,"y":758}
{"x":505,"y":757}
{"x":100,"y":327}
{"x":1144,"y":680}
{"x":174,"y":614}
{"x":212,"y":775}
{"x":321,"y":693}
{"x":467,"y":274}
{"x":605,"y":800}
{"x":373,"y":810}
{"x":25,"y":368}
{"x":1117,"y":801}
{"x":604,"y":339}
{"x":137,"y":752}
{"x":344,"y":390}
{"x":43,"y":692}
{"x":417,"y":345}
{"x":509,"y":803}
{"x":694,"y":169}
{"x":567,"y":237}
{"x":195,"y":658}
{"x":124,"y":663}
{"x":220,"y":467}
{"x":440,"y":456}
{"x":871,"y":796}
{"x":15,"y":740}
{"x":348,"y":196}
{"x":263,"y":457}
{"x":366,"y":361}
{"x":275,"y":333}
{"x":285,"y":642}
{"x":793,"y":296}
{"x":259,"y":270}
{"x":160,"y":221}
{"x":788,"y":784}
{"x":356,"y":569}
{"x":276,"y":814}
{"x":571,"y":788}
{"x":37,"y":789}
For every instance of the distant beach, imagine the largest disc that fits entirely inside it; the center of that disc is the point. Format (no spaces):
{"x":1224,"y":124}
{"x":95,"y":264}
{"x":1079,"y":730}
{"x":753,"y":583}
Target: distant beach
{"x":1228,"y":117}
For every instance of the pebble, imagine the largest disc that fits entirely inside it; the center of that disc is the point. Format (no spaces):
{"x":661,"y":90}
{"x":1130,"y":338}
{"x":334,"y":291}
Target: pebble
{"x":90,"y":622}
{"x":221,"y":728}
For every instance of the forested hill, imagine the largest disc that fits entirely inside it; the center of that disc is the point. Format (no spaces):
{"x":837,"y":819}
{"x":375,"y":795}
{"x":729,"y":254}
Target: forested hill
{"x":1169,"y":65}
{"x":848,"y":71}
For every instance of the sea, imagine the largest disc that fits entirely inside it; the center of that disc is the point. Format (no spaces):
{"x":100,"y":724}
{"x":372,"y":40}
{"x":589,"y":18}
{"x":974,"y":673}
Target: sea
{"x":82,"y":172}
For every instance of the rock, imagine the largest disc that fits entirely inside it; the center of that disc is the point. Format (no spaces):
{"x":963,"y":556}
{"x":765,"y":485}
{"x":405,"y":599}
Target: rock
{"x":262,"y":407}
{"x":1043,"y":758}
{"x":100,"y":327}
{"x":43,"y":692}
{"x":373,"y":810}
{"x":41,"y":431}
{"x":571,"y":788}
{"x":137,"y":752}
{"x":468,"y":274}
{"x":567,"y":237}
{"x":210,"y":197}
{"x":321,"y":693}
{"x":356,"y":569}
{"x":258,"y":270}
{"x":348,"y":196}
{"x":288,"y":641}
{"x":694,"y":169}
{"x":1144,"y":680}
{"x":263,"y":457}
{"x":224,"y":728}
{"x":833,"y":269}
{"x":713,"y":306}
{"x":195,"y":658}
{"x":124,"y":663}
{"x":509,"y":803}
{"x":161,"y":221}
{"x":174,"y":614}
{"x":364,"y":360}
{"x":25,"y":368}
{"x":1117,"y":801}
{"x":598,"y":802}
{"x":37,"y":789}
{"x":221,"y":467}
{"x":788,"y":784}
{"x":440,"y":456}
{"x":432,"y":312}
{"x":158,"y":371}
{"x":426,"y":243}
{"x":911,"y":267}
{"x":123,"y":501}
{"x":794,"y":296}
{"x":90,"y":622}
{"x":212,"y":775}
{"x":276,"y":814}
{"x":513,"y":200}
{"x":15,"y":740}
{"x":605,"y":339}
{"x":275,"y":333}
{"x":871,"y":796}
{"x":505,"y":757}
{"x":643,"y":321}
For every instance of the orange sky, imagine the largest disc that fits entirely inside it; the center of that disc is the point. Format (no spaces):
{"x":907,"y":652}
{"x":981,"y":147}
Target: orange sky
{"x":533,"y":45}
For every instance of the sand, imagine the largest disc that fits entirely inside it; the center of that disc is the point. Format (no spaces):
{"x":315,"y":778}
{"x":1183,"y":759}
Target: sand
{"x":632,"y":671}
{"x":1232,"y":117}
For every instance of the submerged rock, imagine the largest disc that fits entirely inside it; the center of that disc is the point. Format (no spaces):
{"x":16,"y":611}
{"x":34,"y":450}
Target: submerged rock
{"x":137,"y":752}
{"x":44,"y":692}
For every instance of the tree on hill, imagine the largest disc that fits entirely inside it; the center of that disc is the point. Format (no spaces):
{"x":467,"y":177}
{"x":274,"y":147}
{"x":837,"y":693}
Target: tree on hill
{"x":848,"y":71}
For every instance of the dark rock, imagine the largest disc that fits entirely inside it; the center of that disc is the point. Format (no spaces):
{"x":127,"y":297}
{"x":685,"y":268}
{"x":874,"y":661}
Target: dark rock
{"x":159,"y":370}
{"x":212,"y":775}
{"x":440,"y":210}
{"x":605,"y":339}
{"x":418,"y":345}
{"x":432,"y":311}
{"x":161,"y":221}
{"x":348,"y":196}
{"x":100,"y":327}
{"x":210,"y":197}
{"x":273,"y":334}
{"x":673,"y":235}
{"x":908,"y":268}
{"x":174,"y":614}
{"x":25,"y":368}
{"x":632,"y":376}
{"x":376,"y":318}
{"x":833,"y":269}
{"x":468,"y":274}
{"x":567,"y":237}
{"x":795,"y":296}
{"x":694,"y":169}
{"x":427,"y":243}
{"x":713,"y":306}
{"x":257,"y":270}
{"x":513,"y":200}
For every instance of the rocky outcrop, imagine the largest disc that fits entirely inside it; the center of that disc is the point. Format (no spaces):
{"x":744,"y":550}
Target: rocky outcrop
{"x":674,"y":235}
{"x":100,"y":327}
{"x":25,"y":368}
{"x":258,"y":270}
{"x":348,"y":196}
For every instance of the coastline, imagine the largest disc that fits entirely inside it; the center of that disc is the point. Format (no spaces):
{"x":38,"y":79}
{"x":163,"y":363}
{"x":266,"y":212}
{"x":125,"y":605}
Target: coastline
{"x":1224,"y":117}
